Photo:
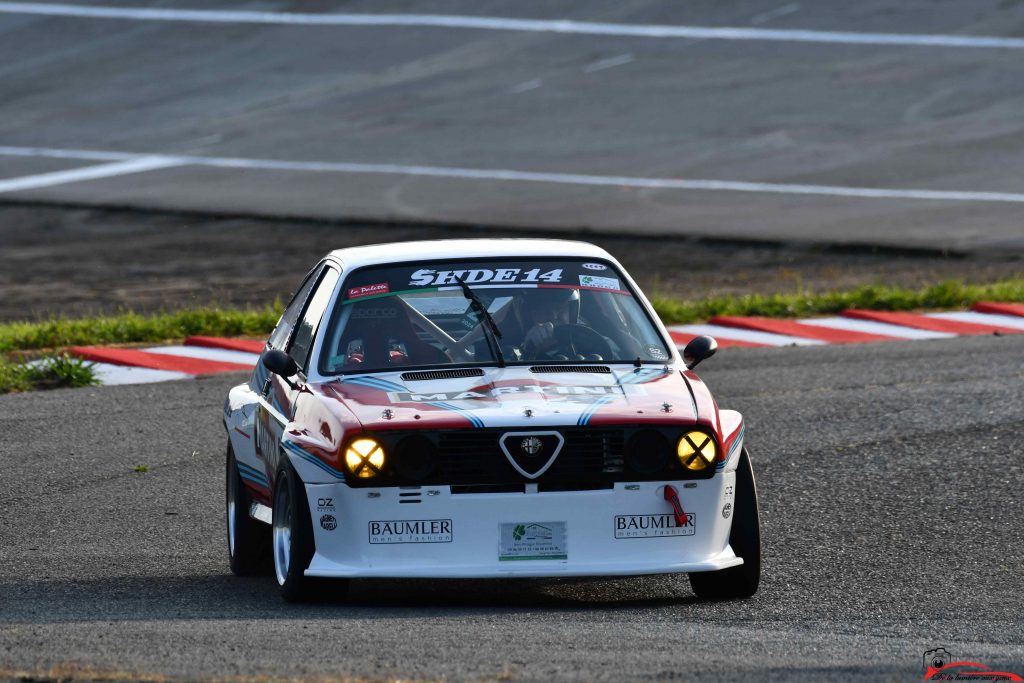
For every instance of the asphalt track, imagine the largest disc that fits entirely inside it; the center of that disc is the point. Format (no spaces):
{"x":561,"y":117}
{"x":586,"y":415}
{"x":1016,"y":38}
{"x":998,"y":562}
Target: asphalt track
{"x":889,"y":477}
{"x":783,"y":139}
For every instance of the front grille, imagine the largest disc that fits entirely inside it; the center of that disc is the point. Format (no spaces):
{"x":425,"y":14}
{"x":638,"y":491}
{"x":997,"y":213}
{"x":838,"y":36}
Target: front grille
{"x":471,"y":460}
{"x":474,"y":457}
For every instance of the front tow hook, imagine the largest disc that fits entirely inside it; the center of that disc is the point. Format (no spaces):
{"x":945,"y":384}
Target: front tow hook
{"x":672,"y":496}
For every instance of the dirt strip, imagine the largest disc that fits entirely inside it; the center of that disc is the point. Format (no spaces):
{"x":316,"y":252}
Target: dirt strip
{"x":75,"y":262}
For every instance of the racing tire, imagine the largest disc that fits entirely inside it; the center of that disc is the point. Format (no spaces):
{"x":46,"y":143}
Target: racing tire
{"x":248,"y":539}
{"x":293,"y":544}
{"x":745,"y":538}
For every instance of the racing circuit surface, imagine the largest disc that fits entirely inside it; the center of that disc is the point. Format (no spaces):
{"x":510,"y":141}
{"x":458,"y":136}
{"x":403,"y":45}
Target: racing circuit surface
{"x":889,"y":474}
{"x":889,"y":480}
{"x":872,"y":122}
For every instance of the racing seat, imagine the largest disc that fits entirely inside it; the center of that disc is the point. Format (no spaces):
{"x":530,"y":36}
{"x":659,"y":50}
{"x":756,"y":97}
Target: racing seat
{"x":380,"y":334}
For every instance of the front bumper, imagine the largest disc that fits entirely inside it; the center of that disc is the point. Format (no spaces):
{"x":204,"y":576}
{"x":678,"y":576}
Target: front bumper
{"x":428,"y":532}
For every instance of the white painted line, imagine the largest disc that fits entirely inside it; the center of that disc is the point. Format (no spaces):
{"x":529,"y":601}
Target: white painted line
{"x":560,"y":26}
{"x":526,"y":176}
{"x":74,"y":175}
{"x":123,"y":374}
{"x":872,"y":327}
{"x":224,"y":355}
{"x":982,"y":318}
{"x":739,"y":334}
{"x":55,"y":153}
{"x":609,"y":63}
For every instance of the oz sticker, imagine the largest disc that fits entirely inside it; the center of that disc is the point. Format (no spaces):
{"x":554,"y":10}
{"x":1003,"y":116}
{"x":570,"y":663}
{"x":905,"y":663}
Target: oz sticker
{"x":653,"y":526}
{"x":532,"y":541}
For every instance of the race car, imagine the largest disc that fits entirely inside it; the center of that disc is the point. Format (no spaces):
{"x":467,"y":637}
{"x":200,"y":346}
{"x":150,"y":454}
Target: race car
{"x":483,"y":408}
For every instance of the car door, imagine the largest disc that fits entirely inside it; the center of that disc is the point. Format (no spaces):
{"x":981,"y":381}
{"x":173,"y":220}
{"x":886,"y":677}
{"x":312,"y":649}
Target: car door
{"x":279,"y":394}
{"x":246,"y":406}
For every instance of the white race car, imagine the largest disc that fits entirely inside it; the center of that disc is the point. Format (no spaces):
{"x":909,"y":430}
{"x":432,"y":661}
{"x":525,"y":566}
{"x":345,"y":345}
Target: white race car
{"x":484,"y":408}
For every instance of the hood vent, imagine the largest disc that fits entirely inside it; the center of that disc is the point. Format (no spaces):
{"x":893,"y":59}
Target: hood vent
{"x":442,"y":374}
{"x":604,"y":369}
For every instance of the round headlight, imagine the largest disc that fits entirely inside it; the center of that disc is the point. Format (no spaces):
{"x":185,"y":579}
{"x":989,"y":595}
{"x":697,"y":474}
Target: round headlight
{"x":415,"y":458}
{"x":364,"y":458}
{"x":648,"y":452}
{"x":696,"y":451}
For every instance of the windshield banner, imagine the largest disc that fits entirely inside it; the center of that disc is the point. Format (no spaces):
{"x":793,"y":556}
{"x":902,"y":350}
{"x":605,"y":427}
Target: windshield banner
{"x":418,"y":277}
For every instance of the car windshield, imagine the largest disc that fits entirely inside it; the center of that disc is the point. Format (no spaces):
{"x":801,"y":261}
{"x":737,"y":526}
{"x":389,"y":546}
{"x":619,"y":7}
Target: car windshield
{"x":543,"y":311}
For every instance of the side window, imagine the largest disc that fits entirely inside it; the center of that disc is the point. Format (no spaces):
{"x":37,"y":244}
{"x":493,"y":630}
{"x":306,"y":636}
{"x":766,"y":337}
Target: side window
{"x":279,"y":337}
{"x":302,"y":341}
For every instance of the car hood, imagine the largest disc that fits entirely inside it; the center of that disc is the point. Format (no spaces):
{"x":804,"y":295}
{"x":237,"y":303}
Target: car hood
{"x":520,"y":397}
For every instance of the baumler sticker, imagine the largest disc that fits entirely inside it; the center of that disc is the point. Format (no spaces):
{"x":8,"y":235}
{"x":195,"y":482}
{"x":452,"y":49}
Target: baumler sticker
{"x":653,"y":526}
{"x":410,"y":531}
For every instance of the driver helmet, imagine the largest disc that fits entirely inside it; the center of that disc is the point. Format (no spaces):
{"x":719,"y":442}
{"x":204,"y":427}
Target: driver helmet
{"x":552,"y":302}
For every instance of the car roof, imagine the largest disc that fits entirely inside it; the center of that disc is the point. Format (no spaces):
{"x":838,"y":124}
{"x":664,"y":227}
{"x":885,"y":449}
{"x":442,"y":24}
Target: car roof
{"x":398,"y":252}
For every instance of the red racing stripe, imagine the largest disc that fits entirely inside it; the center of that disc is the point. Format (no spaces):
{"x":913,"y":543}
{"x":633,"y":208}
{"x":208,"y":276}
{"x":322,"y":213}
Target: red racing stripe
{"x":231,"y":344}
{"x":683,"y":338}
{"x":995,"y":307}
{"x":795,"y":329}
{"x":155,"y":361}
{"x":922,"y":322}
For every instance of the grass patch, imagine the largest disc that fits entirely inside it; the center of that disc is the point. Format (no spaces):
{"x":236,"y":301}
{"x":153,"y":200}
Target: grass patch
{"x":54,"y":372}
{"x":945,"y":295}
{"x":128,"y":328}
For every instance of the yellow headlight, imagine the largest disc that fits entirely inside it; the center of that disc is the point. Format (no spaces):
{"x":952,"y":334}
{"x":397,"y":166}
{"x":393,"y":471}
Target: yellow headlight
{"x":696,"y":451}
{"x":364,"y":458}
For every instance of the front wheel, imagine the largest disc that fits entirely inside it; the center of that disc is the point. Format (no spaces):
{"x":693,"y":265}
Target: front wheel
{"x":745,"y":538}
{"x":292,"y":535}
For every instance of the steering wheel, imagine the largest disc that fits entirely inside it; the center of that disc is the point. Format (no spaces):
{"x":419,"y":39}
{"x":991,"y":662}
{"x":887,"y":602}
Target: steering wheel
{"x":580,"y":340}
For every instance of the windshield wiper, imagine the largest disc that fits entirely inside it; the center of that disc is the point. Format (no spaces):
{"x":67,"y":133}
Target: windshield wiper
{"x":491,"y":331}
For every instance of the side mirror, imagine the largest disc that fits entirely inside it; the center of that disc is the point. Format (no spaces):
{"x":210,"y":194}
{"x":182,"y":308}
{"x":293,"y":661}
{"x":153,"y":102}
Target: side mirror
{"x":280,"y":363}
{"x":698,"y":349}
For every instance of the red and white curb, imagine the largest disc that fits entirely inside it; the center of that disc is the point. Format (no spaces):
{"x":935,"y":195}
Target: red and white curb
{"x":855,"y":326}
{"x":198,"y":356}
{"x":212,"y":355}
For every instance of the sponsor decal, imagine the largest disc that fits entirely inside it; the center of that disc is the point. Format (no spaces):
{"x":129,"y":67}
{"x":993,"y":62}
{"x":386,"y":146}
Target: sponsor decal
{"x":940,"y":665}
{"x":329,"y":522}
{"x":599,"y":282}
{"x":410,"y":531}
{"x":497,"y":392}
{"x":427,"y":277}
{"x":325,"y":504}
{"x":653,"y":526}
{"x":656,"y":352}
{"x":368,"y":290}
{"x":595,"y":266}
{"x":727,"y":510}
{"x":523,"y":541}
